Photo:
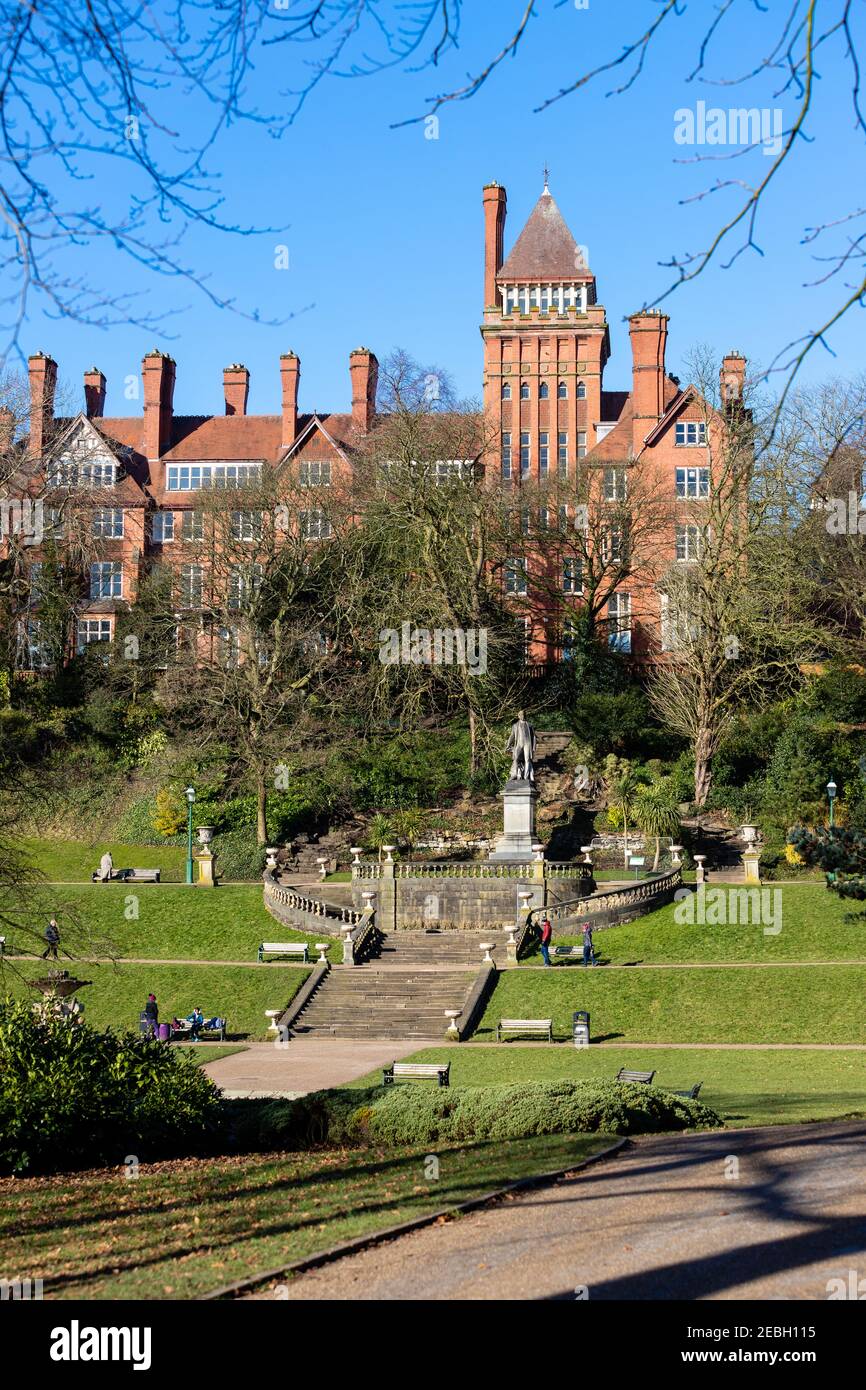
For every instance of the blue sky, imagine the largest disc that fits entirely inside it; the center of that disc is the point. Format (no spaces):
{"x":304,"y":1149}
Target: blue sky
{"x":384,"y":227}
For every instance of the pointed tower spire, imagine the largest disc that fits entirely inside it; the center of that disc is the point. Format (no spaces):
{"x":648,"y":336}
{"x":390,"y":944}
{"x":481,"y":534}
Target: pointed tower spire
{"x":546,"y":181}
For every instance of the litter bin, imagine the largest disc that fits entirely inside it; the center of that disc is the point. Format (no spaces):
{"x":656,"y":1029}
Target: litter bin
{"x":164,"y":1032}
{"x":580,"y":1028}
{"x":144,"y":1025}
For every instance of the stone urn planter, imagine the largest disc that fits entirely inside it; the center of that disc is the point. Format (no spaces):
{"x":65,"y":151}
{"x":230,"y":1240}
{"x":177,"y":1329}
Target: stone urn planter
{"x":750,"y":833}
{"x":205,"y":834}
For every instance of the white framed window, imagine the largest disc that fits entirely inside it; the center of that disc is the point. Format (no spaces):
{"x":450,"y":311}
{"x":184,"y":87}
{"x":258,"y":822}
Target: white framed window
{"x":106,"y":579}
{"x":543,"y":452}
{"x":525,"y":454}
{"x":526,"y":521}
{"x":246,"y":526}
{"x":244,"y":583}
{"x":506,"y":454}
{"x":162,"y":528}
{"x":191,"y":586}
{"x":506,"y":390}
{"x":315,"y":473}
{"x":515,"y":576}
{"x":229,"y":640}
{"x":562,"y":454}
{"x":693,"y":483}
{"x":524,"y":390}
{"x":92,"y":630}
{"x":190,"y":477}
{"x":581,"y":444}
{"x":691,"y":432}
{"x":83,"y":473}
{"x":689,"y":542}
{"x":581,"y":391}
{"x":572,"y":575}
{"x":611,"y":546}
{"x":544,"y":392}
{"x":192,"y":526}
{"x":315,"y":525}
{"x":615,"y":485}
{"x":562,"y":391}
{"x":107,"y":522}
{"x":619,"y":622}
{"x":34,"y":651}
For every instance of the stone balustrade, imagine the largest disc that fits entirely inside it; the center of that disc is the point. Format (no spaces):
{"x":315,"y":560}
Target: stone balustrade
{"x":299,"y":910}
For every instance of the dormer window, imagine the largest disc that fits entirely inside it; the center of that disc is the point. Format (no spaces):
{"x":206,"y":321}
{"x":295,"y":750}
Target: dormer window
{"x":74,"y":473}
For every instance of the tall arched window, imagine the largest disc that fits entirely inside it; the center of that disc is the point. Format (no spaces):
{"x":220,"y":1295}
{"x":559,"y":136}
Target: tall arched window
{"x":562,"y":391}
{"x":524,"y":390}
{"x":506,"y":390}
{"x":581,"y":391}
{"x":543,"y":391}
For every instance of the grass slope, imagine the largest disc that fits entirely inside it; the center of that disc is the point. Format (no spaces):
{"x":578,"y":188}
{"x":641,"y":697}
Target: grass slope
{"x":808,"y":1004}
{"x":118,"y":994}
{"x":172,"y":922}
{"x":187,"y":1227}
{"x":815,"y":925}
{"x":745,"y":1088}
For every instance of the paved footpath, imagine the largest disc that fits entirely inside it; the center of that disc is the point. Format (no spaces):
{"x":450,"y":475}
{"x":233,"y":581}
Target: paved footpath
{"x":662,"y":1219}
{"x":307,"y":1064}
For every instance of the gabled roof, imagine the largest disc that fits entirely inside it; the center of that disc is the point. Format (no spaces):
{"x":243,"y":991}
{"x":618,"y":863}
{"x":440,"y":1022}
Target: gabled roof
{"x":337,"y":429}
{"x":545,"y":249}
{"x":127,"y":491}
{"x":675,"y":402}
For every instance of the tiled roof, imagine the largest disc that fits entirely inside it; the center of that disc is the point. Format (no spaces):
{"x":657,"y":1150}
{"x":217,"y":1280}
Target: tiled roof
{"x":545,"y":249}
{"x":612,"y":405}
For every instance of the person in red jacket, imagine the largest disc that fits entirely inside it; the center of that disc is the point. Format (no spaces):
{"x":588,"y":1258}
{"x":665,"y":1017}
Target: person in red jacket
{"x":546,"y":934}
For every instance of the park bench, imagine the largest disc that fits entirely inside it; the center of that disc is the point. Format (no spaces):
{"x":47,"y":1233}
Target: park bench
{"x":128,"y":876}
{"x":417,"y":1071}
{"x":644,"y":1077}
{"x":525,"y":1025}
{"x":216,"y":1027}
{"x":692,"y":1093}
{"x":570,"y":952}
{"x":284,"y":948}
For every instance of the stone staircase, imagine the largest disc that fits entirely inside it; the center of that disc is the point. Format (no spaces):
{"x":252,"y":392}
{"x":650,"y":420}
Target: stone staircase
{"x":371,"y":1001}
{"x":442,"y":948}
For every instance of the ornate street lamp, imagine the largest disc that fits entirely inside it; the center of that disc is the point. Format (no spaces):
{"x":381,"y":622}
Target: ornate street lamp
{"x":190,"y":802}
{"x":831,"y":793}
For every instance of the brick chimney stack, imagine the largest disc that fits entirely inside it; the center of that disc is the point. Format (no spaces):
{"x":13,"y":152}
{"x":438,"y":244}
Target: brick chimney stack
{"x":7,"y":430}
{"x":290,"y":372}
{"x":364,"y":371}
{"x":494,"y":237}
{"x":157,"y":370}
{"x":236,"y":388}
{"x":732,"y":378}
{"x":649,"y":333}
{"x":94,"y":393}
{"x":43,"y":383}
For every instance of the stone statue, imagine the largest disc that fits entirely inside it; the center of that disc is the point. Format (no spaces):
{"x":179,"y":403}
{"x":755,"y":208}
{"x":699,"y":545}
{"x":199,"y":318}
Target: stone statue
{"x":521,"y":746}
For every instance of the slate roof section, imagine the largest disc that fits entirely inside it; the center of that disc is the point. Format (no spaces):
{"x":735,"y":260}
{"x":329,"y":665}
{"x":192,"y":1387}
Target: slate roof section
{"x":545,"y":249}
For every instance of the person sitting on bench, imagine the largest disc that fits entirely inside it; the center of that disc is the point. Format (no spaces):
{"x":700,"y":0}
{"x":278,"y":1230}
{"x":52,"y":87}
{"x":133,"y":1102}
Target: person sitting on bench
{"x":196,"y":1023}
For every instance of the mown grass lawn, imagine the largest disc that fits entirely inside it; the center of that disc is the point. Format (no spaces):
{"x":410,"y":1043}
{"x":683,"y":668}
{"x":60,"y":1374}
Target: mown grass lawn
{"x":73,"y":861}
{"x":168,"y":922}
{"x":118,"y":993}
{"x":185,"y":1228}
{"x":815,"y":925}
{"x":793,"y":1004}
{"x":745,"y":1088}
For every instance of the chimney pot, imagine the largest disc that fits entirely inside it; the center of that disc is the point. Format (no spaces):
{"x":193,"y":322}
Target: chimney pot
{"x":236,"y":386}
{"x":42,"y":370}
{"x":94,"y":392}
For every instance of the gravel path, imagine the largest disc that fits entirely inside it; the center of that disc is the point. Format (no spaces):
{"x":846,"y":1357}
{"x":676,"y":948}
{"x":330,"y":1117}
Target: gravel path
{"x":769,"y":1213}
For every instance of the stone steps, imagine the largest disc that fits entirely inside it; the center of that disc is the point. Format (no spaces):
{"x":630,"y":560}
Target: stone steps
{"x":362,"y":1002}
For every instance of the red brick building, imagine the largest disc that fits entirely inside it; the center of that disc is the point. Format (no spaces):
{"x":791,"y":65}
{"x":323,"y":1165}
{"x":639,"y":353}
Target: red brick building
{"x":546,"y":347}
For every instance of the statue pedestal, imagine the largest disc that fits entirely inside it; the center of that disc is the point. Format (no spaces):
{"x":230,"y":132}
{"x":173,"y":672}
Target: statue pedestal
{"x":205,"y":859}
{"x":752,"y":864}
{"x":515,"y":844}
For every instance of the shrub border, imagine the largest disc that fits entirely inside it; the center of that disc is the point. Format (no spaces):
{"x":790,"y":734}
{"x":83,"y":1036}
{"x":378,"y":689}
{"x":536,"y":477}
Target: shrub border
{"x":417,"y":1223}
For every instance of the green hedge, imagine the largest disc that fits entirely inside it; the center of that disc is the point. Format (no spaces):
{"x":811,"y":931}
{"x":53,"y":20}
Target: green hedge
{"x":72,"y":1097}
{"x":416,"y":1114}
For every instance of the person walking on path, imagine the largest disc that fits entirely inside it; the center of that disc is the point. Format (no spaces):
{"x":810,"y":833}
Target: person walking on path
{"x":151,"y":1013}
{"x":588,"y":952}
{"x":52,"y":936}
{"x":546,"y":934}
